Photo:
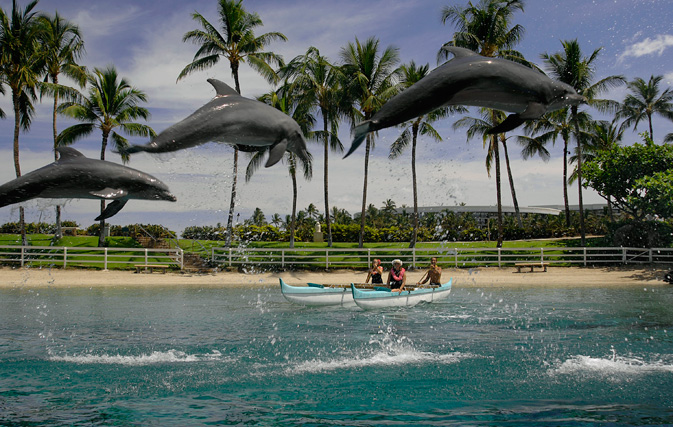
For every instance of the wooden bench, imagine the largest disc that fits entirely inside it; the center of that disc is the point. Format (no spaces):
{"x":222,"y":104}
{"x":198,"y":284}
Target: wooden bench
{"x":531,"y":265}
{"x":151,"y":268}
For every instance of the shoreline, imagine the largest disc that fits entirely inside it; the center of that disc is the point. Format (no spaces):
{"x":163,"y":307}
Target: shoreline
{"x":481,"y":277}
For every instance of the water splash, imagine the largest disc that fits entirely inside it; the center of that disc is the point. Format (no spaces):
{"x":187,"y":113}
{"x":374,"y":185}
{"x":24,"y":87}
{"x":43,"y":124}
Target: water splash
{"x":156,"y":357}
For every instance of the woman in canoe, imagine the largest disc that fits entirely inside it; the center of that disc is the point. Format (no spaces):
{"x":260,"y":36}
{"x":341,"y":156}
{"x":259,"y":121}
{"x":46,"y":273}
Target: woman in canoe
{"x":397,"y":277}
{"x":375,"y":272}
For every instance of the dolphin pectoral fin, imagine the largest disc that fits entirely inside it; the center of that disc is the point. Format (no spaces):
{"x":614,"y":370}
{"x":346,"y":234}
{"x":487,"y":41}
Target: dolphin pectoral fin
{"x":533,"y":110}
{"x":359,"y":134}
{"x":110,"y":193}
{"x":112,"y":209}
{"x":276,"y":153}
{"x":511,"y":122}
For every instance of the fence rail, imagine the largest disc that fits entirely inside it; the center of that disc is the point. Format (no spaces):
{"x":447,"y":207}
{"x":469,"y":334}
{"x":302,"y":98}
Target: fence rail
{"x":455,"y":257}
{"x":331,"y":258}
{"x":87,"y":256}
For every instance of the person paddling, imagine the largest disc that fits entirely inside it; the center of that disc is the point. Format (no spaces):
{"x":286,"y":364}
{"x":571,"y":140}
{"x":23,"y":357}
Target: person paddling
{"x":397,"y":277}
{"x":434,"y":274}
{"x":375,"y":272}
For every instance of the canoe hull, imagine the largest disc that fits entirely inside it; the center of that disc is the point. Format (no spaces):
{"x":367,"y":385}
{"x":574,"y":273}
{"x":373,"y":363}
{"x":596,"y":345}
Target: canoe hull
{"x":371,"y":300}
{"x":316,"y":296}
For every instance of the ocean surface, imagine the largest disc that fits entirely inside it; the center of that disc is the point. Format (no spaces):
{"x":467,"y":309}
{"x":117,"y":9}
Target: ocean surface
{"x":190,"y":356}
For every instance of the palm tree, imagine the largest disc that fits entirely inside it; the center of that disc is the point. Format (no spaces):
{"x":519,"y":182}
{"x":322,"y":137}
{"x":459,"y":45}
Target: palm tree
{"x":486,"y":29}
{"x":111,"y":103}
{"x":411,"y":73}
{"x":571,"y":67}
{"x":276,"y":221}
{"x":320,"y":83}
{"x":20,"y":68}
{"x":62,"y":46}
{"x":238,"y":44}
{"x":372,"y":78}
{"x":287,"y":101}
{"x":644,"y":101}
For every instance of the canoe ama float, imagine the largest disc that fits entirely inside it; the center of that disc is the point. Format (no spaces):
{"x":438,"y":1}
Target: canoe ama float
{"x":383,"y":298}
{"x":318,"y":295}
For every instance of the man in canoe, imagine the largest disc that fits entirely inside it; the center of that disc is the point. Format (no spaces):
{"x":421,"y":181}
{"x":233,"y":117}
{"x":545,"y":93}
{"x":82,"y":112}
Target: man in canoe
{"x":434,"y":274}
{"x":397,"y":277}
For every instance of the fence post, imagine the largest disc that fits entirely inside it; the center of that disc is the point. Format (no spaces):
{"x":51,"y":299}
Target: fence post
{"x":499,"y":259}
{"x":369,"y":257}
{"x":585,"y":256}
{"x":105,"y":260}
{"x":650,"y":257}
{"x":229,"y":257}
{"x":282,"y":258}
{"x":23,"y":254}
{"x":541,"y":255}
{"x":326,"y":259}
{"x":65,"y":257}
{"x":455,"y":253}
{"x":146,"y":258}
{"x":624,"y":261}
{"x":413,"y":257}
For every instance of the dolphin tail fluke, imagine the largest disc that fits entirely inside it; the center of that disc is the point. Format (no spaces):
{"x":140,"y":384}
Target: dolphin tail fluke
{"x":112,"y":209}
{"x":359,"y":134}
{"x":512,"y":121}
{"x":132,"y":149}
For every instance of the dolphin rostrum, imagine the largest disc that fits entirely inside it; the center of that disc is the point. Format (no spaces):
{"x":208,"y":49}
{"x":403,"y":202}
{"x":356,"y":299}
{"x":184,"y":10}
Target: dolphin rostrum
{"x":232,"y":119}
{"x":74,"y":176}
{"x":474,"y":80}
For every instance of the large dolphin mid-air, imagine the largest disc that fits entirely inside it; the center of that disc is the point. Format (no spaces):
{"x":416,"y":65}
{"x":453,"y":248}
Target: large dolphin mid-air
{"x":474,"y":80}
{"x":74,"y":176}
{"x":232,"y":119}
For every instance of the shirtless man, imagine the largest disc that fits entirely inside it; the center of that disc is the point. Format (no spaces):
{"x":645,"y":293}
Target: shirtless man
{"x":434,"y":274}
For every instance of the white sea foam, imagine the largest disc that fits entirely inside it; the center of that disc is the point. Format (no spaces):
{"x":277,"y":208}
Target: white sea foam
{"x":380,"y":359}
{"x":156,"y":357}
{"x":613,"y":365}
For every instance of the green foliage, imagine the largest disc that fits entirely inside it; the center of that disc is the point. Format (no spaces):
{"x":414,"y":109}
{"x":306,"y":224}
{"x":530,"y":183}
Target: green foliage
{"x":641,"y":234}
{"x":636,"y":178}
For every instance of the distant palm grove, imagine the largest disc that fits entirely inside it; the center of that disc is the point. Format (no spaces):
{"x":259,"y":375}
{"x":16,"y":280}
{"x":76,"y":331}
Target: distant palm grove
{"x":323,"y":94}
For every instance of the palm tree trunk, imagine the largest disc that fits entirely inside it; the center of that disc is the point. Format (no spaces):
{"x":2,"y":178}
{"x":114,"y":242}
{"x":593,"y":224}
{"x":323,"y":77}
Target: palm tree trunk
{"x":498,"y":188}
{"x":101,"y":232}
{"x":361,"y":238}
{"x":232,"y":203}
{"x":414,"y":234}
{"x":17,"y":166}
{"x":583,"y":237}
{"x":511,"y":185}
{"x":328,"y":223}
{"x":293,"y":174}
{"x":565,"y":182}
{"x":59,"y":233}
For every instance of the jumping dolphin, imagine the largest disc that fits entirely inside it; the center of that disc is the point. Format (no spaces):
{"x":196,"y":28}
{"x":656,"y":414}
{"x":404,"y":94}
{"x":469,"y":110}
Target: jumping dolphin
{"x":74,"y":176}
{"x":232,"y":119}
{"x":474,"y":80}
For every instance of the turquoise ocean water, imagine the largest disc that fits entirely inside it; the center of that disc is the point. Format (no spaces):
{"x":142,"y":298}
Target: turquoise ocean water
{"x":189,"y":356}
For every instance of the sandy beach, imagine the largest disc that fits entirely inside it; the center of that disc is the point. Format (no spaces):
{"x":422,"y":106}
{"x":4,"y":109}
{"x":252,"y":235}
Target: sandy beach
{"x":484,"y":277}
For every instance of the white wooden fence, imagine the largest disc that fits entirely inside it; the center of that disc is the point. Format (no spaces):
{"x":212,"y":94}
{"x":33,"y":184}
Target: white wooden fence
{"x":446,"y":256}
{"x":331,"y":258}
{"x":88,"y":256}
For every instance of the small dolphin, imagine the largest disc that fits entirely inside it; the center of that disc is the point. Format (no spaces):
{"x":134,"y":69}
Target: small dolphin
{"x":474,"y":80}
{"x":74,"y":176}
{"x":232,"y":119}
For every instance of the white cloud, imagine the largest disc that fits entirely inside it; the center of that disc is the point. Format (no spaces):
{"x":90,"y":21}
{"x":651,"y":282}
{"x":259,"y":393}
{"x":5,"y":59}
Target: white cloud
{"x":649,"y":46}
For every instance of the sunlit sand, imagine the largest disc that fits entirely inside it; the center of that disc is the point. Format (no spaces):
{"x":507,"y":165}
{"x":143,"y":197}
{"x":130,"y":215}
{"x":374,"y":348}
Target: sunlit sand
{"x":483,"y":277}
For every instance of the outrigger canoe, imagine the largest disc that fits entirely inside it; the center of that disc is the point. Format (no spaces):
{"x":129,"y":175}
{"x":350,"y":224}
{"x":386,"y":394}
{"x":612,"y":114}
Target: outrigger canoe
{"x":315,"y":294}
{"x":383,"y":298}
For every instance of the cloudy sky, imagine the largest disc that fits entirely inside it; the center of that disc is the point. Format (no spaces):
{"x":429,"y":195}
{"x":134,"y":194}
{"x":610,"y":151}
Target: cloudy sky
{"x":143,"y":40}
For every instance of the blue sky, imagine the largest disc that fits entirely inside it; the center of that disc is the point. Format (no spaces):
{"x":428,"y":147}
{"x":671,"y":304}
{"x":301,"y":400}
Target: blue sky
{"x":143,"y":39}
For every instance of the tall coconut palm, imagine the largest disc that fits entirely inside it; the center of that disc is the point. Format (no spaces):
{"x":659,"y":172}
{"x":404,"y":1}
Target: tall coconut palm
{"x":61,"y":45}
{"x":371,"y":77}
{"x":290,"y":103}
{"x":410,"y":74}
{"x":487,"y":29}
{"x":320,"y":84}
{"x":21,"y":66}
{"x":111,"y":103}
{"x":645,"y":100}
{"x":237,"y":44}
{"x":572,"y":67}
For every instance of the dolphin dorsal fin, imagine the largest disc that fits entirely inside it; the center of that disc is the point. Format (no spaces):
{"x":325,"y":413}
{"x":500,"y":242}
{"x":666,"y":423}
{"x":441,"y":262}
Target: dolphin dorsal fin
{"x":459,"y":52}
{"x":222,"y":88}
{"x":67,"y":153}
